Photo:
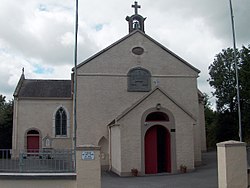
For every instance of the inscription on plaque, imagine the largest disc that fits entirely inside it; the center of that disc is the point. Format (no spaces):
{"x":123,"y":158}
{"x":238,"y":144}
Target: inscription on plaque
{"x":88,"y":155}
{"x":139,"y":79}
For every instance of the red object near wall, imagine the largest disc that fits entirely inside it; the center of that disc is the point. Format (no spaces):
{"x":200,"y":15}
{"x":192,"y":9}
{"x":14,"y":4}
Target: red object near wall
{"x":157,"y":150}
{"x":33,"y":143}
{"x":151,"y":151}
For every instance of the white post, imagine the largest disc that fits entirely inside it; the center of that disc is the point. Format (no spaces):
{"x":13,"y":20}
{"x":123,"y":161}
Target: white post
{"x":232,"y":164}
{"x":88,"y":166}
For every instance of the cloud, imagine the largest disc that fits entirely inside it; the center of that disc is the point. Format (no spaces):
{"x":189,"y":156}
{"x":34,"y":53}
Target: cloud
{"x":67,"y":39}
{"x":41,"y":32}
{"x":39,"y":35}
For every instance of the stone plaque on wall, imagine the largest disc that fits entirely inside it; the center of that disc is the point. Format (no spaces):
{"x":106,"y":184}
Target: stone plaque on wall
{"x":139,"y":79}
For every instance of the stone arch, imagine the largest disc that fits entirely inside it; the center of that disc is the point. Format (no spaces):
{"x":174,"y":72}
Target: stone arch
{"x":168,"y":122}
{"x":104,"y":153}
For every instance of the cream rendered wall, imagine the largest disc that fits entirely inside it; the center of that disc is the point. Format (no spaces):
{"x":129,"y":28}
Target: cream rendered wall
{"x":120,"y":58}
{"x":184,"y":145}
{"x":232,"y":164}
{"x":104,"y":153}
{"x":101,"y":103}
{"x":197,"y":138}
{"x":26,"y":183}
{"x":88,"y":171}
{"x":203,"y":127}
{"x":14,"y":131}
{"x":131,"y":143}
{"x":38,"y":114}
{"x":102,"y":84}
{"x":197,"y":143}
{"x":131,"y":138}
{"x":200,"y":135}
{"x":116,"y":149}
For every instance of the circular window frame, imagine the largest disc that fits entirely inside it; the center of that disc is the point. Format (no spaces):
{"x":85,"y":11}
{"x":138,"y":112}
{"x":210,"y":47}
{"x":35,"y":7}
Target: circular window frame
{"x":138,"y":50}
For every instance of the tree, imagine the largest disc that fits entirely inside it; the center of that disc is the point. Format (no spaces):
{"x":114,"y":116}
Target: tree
{"x":244,"y":73}
{"x":210,"y":122}
{"x":223,"y":80}
{"x":6,"y":119}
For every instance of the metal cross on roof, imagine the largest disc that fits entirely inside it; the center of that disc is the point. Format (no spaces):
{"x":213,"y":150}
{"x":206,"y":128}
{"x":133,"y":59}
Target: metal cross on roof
{"x":136,"y":6}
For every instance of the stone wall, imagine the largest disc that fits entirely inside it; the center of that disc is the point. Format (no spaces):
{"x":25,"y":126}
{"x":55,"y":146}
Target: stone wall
{"x":88,"y":174}
{"x":37,"y":180}
{"x":38,"y":115}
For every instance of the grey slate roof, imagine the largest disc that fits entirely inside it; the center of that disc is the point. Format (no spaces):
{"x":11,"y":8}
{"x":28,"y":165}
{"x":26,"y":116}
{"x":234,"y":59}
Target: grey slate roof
{"x":45,"y":88}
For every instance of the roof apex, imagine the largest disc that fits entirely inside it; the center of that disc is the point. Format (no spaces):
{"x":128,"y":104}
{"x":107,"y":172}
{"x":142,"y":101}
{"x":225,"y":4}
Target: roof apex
{"x":129,"y":35}
{"x":124,"y":113}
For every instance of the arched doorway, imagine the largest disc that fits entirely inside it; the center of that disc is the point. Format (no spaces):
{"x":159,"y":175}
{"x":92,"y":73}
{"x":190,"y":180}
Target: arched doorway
{"x":157,"y":143}
{"x":103,"y":142}
{"x":33,"y":139}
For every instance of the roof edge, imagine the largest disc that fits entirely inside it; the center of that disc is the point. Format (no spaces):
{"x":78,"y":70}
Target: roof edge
{"x":45,"y":98}
{"x":106,"y":49}
{"x":149,"y":38}
{"x":124,"y":113}
{"x":172,"y":53}
{"x":19,"y":85}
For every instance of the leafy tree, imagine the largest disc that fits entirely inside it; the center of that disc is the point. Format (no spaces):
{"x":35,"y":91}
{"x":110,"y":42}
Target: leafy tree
{"x":227,"y":128}
{"x":6,"y":119}
{"x":210,"y":122}
{"x":244,"y":74}
{"x":223,"y":80}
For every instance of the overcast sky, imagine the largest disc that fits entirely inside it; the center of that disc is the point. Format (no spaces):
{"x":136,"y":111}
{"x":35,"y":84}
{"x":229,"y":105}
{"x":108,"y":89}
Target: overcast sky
{"x":39,"y":34}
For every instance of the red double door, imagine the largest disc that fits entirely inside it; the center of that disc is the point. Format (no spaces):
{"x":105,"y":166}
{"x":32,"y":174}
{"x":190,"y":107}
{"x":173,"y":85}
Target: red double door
{"x":157,"y":150}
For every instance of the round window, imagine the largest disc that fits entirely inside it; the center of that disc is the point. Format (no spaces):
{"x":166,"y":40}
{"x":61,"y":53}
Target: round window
{"x":138,"y":50}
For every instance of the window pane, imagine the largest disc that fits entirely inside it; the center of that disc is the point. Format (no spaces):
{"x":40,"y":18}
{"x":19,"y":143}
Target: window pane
{"x":58,"y":127}
{"x":64,"y":116}
{"x":61,"y":122}
{"x":157,"y":116}
{"x":64,"y":127}
{"x":33,"y":132}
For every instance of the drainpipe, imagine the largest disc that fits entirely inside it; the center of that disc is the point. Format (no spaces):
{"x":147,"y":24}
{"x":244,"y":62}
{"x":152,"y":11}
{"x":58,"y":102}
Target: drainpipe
{"x":110,"y":155}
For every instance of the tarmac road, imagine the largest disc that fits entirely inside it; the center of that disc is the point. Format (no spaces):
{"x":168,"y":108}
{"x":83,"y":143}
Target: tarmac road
{"x":204,"y":176}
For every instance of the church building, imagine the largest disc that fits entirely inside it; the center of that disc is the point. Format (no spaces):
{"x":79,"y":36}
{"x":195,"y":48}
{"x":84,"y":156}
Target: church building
{"x":135,"y":99}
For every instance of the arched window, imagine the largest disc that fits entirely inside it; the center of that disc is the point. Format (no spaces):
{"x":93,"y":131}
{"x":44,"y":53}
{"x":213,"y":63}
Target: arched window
{"x":139,"y":79}
{"x":33,"y":132}
{"x":61,"y":122}
{"x":157,"y":116}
